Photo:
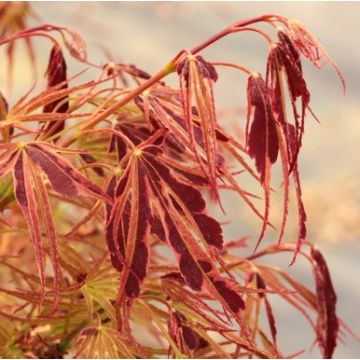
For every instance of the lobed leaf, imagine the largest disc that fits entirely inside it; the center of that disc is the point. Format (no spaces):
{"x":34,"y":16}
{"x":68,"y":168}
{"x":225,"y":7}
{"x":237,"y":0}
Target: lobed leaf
{"x":327,"y":323}
{"x":197,"y":78}
{"x":56,"y":74}
{"x":127,"y":228}
{"x":262,"y":137}
{"x":64,"y":178}
{"x":310,"y":47}
{"x":25,"y":196}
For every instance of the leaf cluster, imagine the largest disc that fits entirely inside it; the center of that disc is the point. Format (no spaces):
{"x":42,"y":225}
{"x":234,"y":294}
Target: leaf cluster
{"x":107,"y":245}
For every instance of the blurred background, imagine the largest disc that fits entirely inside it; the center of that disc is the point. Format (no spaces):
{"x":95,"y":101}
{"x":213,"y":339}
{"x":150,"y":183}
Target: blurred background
{"x":150,"y":33}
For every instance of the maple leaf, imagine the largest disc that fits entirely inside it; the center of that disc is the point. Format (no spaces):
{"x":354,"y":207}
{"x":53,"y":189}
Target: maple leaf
{"x":56,"y":74}
{"x":310,"y":47}
{"x":197,"y":78}
{"x":261,"y":284}
{"x":178,"y":208}
{"x":262,"y":136}
{"x":162,"y":108}
{"x":302,"y":217}
{"x":127,"y":231}
{"x":284,"y":57}
{"x":26,"y":162}
{"x":155,"y":152}
{"x":72,"y":40}
{"x":327,"y":322}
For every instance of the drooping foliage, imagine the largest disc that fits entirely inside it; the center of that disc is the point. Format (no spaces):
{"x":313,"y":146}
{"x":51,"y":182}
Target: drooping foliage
{"x":112,"y":182}
{"x":56,"y":74}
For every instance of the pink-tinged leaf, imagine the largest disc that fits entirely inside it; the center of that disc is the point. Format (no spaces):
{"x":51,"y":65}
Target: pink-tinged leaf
{"x":209,"y":229}
{"x":310,"y":47}
{"x":290,"y":59}
{"x":271,"y":319}
{"x":180,"y":218}
{"x":302,"y":230}
{"x":262,"y":138}
{"x":59,"y":180}
{"x":286,"y":184}
{"x":161,"y":114}
{"x":19,"y":177}
{"x":24,"y":194}
{"x":64,"y":178}
{"x":327,"y":323}
{"x":273,"y":81}
{"x":115,"y":241}
{"x":260,"y":284}
{"x":197,"y":78}
{"x":162,"y":108}
{"x":45,"y":208}
{"x":77,"y":45}
{"x":196,"y":267}
{"x":128,"y":227}
{"x":141,"y":252}
{"x":56,"y":74}
{"x":286,"y":57}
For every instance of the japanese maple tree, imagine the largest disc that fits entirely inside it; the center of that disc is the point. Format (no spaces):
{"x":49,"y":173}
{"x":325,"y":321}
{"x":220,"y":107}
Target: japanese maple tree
{"x":106,"y":237}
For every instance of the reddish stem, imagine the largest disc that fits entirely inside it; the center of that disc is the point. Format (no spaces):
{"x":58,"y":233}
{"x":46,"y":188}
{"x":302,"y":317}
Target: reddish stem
{"x":262,"y":33}
{"x":171,"y":66}
{"x":145,"y":85}
{"x":233,"y":28}
{"x":235,"y":66}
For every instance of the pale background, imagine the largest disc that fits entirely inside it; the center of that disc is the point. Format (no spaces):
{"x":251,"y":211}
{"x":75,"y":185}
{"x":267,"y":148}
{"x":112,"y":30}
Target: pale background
{"x":149,"y":34}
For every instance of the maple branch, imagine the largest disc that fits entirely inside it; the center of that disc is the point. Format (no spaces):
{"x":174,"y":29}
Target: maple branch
{"x":235,"y":66}
{"x":171,"y":66}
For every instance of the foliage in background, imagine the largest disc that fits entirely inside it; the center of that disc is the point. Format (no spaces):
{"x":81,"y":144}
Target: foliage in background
{"x":106,"y":240}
